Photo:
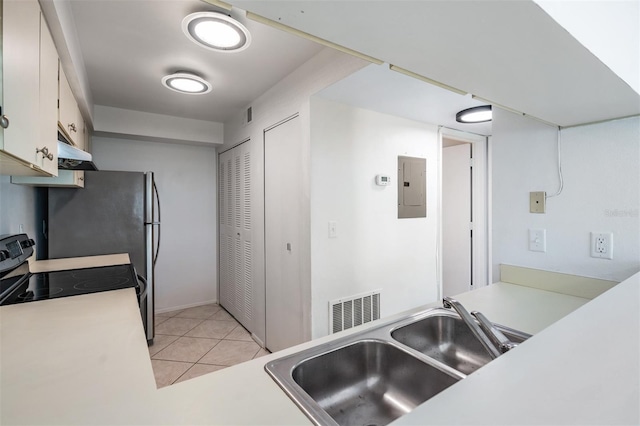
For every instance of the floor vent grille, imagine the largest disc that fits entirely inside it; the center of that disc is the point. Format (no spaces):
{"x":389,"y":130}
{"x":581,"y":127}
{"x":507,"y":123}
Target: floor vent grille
{"x":348,"y":312}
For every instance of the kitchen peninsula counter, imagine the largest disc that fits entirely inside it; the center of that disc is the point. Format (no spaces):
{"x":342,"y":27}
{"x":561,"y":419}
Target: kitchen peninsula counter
{"x":84,"y":360}
{"x":36,"y":266}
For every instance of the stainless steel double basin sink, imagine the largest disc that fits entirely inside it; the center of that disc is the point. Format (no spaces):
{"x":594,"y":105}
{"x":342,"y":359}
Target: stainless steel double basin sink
{"x":375,"y":376}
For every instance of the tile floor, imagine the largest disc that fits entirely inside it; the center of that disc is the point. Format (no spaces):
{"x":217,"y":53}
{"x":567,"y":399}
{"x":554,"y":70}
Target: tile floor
{"x":196,"y":341}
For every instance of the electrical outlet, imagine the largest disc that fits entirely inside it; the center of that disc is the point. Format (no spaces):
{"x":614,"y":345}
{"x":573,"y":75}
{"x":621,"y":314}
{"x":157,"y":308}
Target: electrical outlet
{"x":602,"y":245}
{"x":538,"y":240}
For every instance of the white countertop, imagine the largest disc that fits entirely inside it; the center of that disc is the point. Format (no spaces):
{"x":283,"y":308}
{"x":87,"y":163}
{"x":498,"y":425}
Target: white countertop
{"x":36,"y":266}
{"x":584,"y":369}
{"x":84,"y":360}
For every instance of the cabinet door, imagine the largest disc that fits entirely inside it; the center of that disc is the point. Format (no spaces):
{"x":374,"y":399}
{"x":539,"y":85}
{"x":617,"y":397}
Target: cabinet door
{"x":65,"y":179}
{"x":68,"y":111}
{"x":21,"y":57}
{"x":48,"y":134}
{"x":81,"y":139}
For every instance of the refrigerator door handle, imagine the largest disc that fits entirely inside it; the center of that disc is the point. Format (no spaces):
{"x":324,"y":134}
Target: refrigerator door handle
{"x":150,"y":301}
{"x":155,"y":189}
{"x":150,"y":256}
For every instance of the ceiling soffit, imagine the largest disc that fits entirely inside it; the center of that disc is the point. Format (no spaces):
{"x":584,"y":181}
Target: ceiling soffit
{"x":510,"y":53}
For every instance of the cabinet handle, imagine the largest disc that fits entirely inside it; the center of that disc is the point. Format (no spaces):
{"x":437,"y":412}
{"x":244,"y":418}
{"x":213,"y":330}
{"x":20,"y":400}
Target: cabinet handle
{"x":45,"y":153}
{"x":80,"y":178}
{"x":72,"y":127}
{"x":4,"y":122}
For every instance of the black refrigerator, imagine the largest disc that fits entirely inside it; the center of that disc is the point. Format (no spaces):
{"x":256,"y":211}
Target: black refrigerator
{"x":115,"y":212}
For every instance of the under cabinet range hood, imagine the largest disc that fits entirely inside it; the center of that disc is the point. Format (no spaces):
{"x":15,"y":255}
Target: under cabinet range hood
{"x":72,"y":158}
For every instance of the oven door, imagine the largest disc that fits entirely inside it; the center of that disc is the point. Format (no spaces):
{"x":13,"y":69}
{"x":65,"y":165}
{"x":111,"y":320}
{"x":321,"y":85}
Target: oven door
{"x":141,"y":291}
{"x":9,"y":284}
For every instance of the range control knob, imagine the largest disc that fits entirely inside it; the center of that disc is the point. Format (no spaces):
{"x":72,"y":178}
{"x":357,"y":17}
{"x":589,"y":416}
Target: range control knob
{"x":27,"y":243}
{"x":4,"y":255}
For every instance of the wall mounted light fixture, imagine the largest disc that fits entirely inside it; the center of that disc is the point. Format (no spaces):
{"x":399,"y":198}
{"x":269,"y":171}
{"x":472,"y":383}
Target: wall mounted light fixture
{"x":185,"y":82}
{"x":479,"y":114}
{"x":216,"y":31}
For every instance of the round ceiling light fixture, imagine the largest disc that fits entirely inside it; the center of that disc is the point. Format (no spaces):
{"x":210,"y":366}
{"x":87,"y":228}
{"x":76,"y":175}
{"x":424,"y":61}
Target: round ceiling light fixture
{"x":479,"y":114}
{"x":185,"y":82}
{"x":216,"y":31}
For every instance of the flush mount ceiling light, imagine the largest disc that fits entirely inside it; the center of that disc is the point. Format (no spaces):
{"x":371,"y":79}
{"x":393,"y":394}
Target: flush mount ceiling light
{"x":479,"y":114}
{"x":185,"y":82}
{"x":216,"y":31}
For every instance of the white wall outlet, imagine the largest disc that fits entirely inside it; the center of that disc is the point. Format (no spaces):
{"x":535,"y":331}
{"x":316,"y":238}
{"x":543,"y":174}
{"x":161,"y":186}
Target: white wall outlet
{"x":333,"y":229}
{"x":602,"y":245}
{"x":538,"y":240}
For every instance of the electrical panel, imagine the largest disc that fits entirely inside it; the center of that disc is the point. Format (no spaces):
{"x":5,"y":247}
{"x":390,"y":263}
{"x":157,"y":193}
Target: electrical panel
{"x":412,"y":183}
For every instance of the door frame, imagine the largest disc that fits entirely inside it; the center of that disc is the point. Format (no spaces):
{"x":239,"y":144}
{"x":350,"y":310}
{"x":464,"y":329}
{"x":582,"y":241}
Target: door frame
{"x":480,"y":207}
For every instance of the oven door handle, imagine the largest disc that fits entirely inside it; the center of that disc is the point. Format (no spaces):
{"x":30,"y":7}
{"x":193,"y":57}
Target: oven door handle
{"x":141,"y":288}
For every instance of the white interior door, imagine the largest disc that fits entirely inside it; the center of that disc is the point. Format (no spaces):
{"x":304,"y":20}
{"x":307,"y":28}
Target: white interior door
{"x":284,"y":195}
{"x":236,"y":283}
{"x":456,"y":219}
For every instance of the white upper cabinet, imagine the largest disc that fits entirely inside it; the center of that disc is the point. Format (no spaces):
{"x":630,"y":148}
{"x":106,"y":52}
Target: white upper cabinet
{"x":70,"y":120}
{"x":53,"y":83}
{"x":25,"y":149}
{"x":48,"y":134}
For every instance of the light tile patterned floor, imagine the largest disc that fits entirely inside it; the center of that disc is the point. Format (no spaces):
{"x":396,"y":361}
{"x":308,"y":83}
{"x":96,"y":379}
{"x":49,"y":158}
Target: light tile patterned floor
{"x":196,"y":341}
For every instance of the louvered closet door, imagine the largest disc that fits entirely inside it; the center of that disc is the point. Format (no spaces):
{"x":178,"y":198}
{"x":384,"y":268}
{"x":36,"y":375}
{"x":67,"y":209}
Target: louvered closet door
{"x":236,"y":284}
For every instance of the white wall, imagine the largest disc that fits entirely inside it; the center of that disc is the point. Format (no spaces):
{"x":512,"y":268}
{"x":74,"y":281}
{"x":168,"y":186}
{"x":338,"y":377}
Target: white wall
{"x":601,"y":165}
{"x":186,"y":175}
{"x":17,"y":207}
{"x":374,"y":249}
{"x":290,"y":96}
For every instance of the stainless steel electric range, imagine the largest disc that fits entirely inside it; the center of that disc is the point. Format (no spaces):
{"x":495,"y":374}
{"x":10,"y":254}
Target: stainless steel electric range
{"x":18,"y":285}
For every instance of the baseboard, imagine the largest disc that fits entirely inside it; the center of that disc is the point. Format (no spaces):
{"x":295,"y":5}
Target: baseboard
{"x":257,"y":340}
{"x":187,"y":306}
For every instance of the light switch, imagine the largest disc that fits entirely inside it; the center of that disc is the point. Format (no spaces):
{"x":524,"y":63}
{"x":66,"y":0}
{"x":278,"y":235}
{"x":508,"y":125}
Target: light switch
{"x":538,"y":240}
{"x":333,"y":229}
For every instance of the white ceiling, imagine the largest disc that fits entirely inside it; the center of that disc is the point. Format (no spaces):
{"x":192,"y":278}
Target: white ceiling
{"x":509,"y":52}
{"x":512,"y":53}
{"x":378,"y":88}
{"x":127,"y":46}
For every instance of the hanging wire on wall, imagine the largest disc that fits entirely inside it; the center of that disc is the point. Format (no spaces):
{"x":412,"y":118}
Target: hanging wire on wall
{"x":559,"y":144}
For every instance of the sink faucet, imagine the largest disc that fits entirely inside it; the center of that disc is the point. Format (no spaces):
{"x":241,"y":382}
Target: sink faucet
{"x":497,"y":337}
{"x":448,"y":302}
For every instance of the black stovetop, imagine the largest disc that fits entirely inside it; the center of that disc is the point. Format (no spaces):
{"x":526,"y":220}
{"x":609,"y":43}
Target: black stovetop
{"x":51,"y":285}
